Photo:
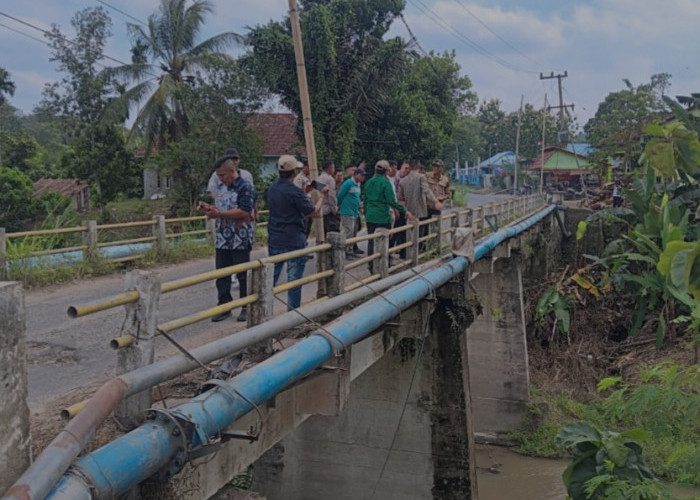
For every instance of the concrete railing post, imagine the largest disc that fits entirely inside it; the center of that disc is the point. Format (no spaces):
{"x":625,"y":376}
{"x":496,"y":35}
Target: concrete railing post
{"x":141,"y":322}
{"x":14,"y":412}
{"x":159,"y":232}
{"x":412,"y":235}
{"x":438,"y":243}
{"x":381,"y":246}
{"x":3,"y":253}
{"x":210,"y":225}
{"x":474,"y":222}
{"x":90,"y":240}
{"x":261,"y":283}
{"x":335,"y":259}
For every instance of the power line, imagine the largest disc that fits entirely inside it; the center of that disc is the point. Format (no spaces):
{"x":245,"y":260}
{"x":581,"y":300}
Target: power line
{"x":54,"y":35}
{"x":121,"y":12}
{"x":465,"y":39}
{"x":43,"y":42}
{"x":496,"y":34}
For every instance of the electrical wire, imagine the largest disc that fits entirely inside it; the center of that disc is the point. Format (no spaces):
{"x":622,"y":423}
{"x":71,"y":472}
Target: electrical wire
{"x":122,"y":12}
{"x":465,"y":39}
{"x":497,"y":35}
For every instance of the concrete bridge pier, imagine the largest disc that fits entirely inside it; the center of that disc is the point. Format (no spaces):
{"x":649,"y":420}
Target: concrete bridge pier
{"x":405,"y":432}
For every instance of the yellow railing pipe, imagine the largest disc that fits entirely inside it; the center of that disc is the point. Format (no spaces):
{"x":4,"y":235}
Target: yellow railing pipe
{"x":115,"y":301}
{"x":284,"y":257}
{"x":45,"y":232}
{"x":121,"y":342}
{"x":73,"y":410}
{"x":206,"y":314}
{"x":303,"y":281}
{"x":209,"y":275}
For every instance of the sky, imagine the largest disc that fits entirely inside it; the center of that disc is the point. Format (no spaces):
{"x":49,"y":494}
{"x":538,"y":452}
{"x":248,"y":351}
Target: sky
{"x":502,"y":46}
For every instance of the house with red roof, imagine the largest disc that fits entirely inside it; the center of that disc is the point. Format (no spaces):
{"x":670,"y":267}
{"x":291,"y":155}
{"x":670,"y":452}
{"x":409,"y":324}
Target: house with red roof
{"x":279,"y":136}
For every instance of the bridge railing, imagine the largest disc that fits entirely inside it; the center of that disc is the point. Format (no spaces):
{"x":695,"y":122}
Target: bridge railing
{"x":56,"y":458}
{"x":90,"y":238}
{"x":335,"y":275}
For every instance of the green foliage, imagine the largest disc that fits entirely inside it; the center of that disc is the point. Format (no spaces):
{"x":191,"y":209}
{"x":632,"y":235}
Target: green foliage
{"x":616,"y":128}
{"x":15,"y":198}
{"x":606,"y":465}
{"x":553,"y":303}
{"x":168,"y":56}
{"x":667,"y":403}
{"x":7,"y":86}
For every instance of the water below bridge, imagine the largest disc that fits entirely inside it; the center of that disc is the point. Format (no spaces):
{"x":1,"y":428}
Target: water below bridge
{"x":528,"y":478}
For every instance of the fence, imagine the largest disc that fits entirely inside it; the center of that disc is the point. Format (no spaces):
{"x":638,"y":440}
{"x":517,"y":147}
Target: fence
{"x":94,"y":237}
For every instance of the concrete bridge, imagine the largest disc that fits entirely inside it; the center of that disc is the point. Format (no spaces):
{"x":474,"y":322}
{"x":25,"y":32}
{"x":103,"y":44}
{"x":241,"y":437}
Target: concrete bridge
{"x":381,"y":402}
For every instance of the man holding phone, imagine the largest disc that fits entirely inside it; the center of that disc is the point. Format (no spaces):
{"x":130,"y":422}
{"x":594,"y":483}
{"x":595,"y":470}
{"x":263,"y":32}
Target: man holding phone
{"x":233,"y":210}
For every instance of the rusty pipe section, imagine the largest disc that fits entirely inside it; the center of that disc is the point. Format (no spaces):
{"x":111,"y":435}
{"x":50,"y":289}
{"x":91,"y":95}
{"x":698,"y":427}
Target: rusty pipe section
{"x":51,"y":464}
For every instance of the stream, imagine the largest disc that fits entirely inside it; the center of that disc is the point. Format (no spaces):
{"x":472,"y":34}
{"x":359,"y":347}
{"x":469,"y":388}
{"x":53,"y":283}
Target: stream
{"x":527,"y":478}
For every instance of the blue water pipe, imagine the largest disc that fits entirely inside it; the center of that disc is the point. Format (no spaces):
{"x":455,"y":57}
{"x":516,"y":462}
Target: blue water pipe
{"x":168,"y":438}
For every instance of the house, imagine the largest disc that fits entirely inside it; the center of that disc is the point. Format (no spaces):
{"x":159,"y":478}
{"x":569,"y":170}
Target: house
{"x":78,"y":191}
{"x":279,"y":136}
{"x":561,"y":165}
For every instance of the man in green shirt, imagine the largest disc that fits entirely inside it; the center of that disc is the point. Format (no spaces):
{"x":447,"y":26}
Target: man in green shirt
{"x":378,"y":198}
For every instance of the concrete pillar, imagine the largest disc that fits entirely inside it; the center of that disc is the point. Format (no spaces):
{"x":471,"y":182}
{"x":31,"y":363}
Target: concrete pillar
{"x":3,"y":253}
{"x":335,"y":259}
{"x":14,"y":413}
{"x":159,"y":232}
{"x":210,"y":225}
{"x":90,"y":239}
{"x":498,"y":360}
{"x":261,"y":283}
{"x":141,"y":322}
{"x":412,"y":235}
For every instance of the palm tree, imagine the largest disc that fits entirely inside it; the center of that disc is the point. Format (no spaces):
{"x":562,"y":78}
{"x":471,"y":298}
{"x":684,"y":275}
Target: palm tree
{"x":165,"y":58}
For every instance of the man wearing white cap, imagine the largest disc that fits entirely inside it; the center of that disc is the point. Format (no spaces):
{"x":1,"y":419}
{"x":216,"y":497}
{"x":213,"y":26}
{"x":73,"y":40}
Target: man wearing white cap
{"x":286,"y":229}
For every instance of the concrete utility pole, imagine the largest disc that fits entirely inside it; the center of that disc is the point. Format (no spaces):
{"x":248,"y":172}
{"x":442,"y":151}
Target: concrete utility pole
{"x":544,"y":118}
{"x":517,"y":145}
{"x":563,"y":129}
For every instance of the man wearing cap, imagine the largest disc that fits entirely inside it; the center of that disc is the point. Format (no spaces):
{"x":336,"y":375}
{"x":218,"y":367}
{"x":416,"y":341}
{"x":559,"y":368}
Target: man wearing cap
{"x":378,"y":199}
{"x":349,"y":203}
{"x":331,"y":219}
{"x":233,"y":210}
{"x":286,"y":229}
{"x":440,"y":186}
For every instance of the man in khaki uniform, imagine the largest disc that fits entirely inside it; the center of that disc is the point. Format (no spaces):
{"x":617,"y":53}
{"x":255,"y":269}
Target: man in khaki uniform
{"x":440,"y":186}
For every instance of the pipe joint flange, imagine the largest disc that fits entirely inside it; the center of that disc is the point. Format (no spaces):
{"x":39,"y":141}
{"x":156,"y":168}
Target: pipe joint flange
{"x":180,"y":434}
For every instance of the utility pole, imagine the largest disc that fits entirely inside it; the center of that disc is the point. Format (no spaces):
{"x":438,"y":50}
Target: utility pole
{"x":544,"y":117}
{"x":305,"y":107}
{"x":517,"y":144}
{"x":563,"y":129}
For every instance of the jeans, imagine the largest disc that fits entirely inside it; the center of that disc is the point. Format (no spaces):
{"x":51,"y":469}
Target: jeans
{"x":226,"y":258}
{"x":349,"y":226}
{"x":371,"y":228}
{"x":399,"y":238}
{"x":295,"y":270}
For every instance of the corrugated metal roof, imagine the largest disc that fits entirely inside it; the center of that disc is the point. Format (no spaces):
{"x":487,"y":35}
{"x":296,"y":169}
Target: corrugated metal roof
{"x":66,"y":187}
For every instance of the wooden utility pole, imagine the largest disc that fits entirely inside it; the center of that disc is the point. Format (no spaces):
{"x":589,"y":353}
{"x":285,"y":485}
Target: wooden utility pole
{"x":517,"y":145}
{"x":305,"y":108}
{"x":563,"y":129}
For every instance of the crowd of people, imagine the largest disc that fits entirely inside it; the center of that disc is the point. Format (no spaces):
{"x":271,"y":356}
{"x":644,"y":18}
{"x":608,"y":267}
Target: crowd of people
{"x":389,"y":198}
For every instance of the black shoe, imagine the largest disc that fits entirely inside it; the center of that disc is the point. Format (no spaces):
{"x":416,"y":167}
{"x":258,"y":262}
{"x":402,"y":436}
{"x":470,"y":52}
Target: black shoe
{"x":243,"y":316}
{"x":222,"y":316}
{"x":357,"y":251}
{"x":350,"y":256}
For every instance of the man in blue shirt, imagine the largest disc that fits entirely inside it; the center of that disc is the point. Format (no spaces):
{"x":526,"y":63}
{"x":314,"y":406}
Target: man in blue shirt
{"x":349,"y":203}
{"x":286,"y":229}
{"x":233,"y":210}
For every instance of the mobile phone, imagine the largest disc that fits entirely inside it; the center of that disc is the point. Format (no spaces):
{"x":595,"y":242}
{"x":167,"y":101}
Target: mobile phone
{"x":318,"y":186}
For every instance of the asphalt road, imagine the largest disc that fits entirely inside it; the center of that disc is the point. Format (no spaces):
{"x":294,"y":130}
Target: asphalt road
{"x":65,"y":353}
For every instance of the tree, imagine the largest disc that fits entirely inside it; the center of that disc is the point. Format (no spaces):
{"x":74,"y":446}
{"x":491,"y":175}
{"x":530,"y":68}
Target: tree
{"x":352,"y":71}
{"x":7,"y":86}
{"x":466,"y":141}
{"x":420,"y":114}
{"x":15,"y":197}
{"x":166,"y":56}
{"x":17,"y":149}
{"x":79,"y":98}
{"x":617,"y":127}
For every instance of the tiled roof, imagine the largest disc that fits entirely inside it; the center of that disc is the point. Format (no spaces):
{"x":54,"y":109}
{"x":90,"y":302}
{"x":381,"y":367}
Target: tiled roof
{"x":279,"y":133}
{"x":67,"y":187}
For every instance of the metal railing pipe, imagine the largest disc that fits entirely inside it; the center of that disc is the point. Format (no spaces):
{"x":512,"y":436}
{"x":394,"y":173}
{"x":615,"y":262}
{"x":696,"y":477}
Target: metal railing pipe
{"x":115,"y":301}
